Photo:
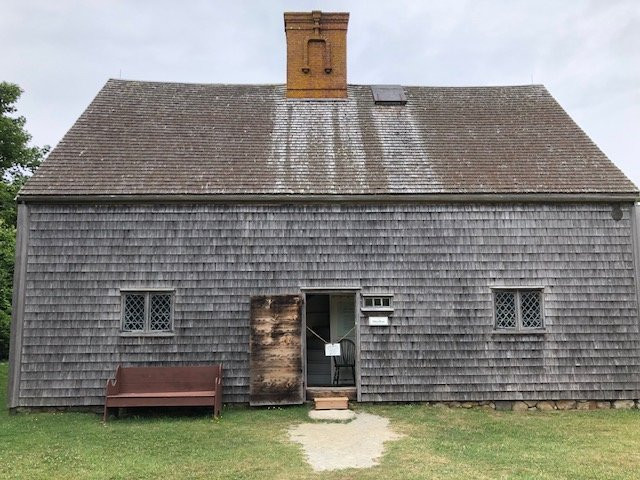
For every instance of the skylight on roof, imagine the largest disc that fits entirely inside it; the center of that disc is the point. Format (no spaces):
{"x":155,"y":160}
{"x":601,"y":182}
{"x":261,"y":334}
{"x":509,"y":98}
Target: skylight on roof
{"x":388,"y":95}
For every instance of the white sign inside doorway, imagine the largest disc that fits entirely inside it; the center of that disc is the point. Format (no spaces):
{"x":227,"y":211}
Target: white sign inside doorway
{"x":332,"y":349}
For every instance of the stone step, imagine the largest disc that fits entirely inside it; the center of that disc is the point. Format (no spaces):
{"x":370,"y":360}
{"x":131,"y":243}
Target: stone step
{"x":332,"y":403}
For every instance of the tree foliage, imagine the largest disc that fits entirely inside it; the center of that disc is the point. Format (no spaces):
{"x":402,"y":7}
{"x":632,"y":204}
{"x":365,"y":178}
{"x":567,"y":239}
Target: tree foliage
{"x":18,"y":160}
{"x":16,"y":155}
{"x":8,"y":191}
{"x":7,"y":252}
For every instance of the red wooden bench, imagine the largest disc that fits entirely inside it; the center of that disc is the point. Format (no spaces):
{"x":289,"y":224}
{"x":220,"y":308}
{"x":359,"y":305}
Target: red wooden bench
{"x":165,"y":387}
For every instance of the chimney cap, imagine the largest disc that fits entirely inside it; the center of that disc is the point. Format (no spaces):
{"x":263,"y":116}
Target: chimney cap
{"x":305,"y":20}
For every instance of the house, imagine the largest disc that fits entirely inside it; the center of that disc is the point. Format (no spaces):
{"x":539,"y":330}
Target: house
{"x":472,"y":242}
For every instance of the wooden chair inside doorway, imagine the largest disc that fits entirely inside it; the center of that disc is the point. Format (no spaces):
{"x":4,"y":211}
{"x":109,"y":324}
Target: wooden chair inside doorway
{"x":347,"y":359}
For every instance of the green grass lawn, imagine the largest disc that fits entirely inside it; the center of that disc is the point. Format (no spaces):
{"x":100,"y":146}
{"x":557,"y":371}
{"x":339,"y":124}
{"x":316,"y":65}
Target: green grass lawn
{"x":252,"y":444}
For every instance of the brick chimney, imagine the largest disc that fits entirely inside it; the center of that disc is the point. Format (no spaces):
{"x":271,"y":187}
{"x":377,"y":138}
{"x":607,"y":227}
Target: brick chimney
{"x":316,"y":54}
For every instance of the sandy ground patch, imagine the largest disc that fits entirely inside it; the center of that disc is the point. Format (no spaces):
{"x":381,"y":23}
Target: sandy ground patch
{"x":335,"y":415}
{"x":333,"y":446}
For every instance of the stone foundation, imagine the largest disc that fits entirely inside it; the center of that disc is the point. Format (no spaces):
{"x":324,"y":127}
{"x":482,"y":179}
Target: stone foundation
{"x":500,"y":405}
{"x":544,"y":405}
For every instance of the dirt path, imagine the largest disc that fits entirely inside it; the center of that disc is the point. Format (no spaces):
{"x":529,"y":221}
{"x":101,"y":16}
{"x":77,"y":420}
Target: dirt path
{"x":333,"y":446}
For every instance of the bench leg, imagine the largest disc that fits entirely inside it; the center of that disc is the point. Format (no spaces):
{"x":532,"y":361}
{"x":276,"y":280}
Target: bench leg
{"x":105,"y":416}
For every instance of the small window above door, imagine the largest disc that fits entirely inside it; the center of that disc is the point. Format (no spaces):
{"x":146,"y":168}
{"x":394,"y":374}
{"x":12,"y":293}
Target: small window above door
{"x":377,"y":302}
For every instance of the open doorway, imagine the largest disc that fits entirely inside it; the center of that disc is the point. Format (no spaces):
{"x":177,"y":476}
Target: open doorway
{"x":330,"y":318}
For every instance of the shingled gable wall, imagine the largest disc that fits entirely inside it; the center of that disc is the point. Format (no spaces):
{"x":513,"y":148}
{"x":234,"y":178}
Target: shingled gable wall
{"x":439,"y":261}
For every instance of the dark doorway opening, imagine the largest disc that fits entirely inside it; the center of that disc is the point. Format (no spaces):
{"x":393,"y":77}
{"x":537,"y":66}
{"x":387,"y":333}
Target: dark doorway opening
{"x":330,"y":318}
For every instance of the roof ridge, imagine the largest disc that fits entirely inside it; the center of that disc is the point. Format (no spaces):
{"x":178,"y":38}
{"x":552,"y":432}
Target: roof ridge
{"x":161,"y":82}
{"x":364,"y":85}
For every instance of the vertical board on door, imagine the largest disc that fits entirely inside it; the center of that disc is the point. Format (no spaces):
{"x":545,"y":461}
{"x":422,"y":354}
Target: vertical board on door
{"x":275,"y":351}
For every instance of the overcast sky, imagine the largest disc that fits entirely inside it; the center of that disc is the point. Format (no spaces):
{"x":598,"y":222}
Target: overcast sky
{"x":587,"y":53}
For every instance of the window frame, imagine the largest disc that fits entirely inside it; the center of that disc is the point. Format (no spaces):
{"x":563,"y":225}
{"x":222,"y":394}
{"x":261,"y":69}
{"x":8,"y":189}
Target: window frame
{"x":146,"y":331}
{"x":373,"y":307}
{"x":518,"y":291}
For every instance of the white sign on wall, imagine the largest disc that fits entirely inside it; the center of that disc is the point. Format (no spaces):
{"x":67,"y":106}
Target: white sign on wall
{"x":332,"y":349}
{"x":378,"y":321}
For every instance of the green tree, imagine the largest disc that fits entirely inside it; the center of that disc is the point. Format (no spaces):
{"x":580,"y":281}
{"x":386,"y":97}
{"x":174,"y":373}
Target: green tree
{"x":9,"y":188}
{"x":16,"y":155}
{"x":7,"y":252}
{"x":18,"y":160}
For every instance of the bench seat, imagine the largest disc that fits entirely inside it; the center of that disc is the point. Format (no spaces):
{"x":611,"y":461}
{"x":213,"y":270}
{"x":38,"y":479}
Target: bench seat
{"x":165,"y":387}
{"x":205,"y":393}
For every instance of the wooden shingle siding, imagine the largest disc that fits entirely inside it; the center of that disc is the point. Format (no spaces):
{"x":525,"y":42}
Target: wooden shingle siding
{"x":635,"y":225}
{"x":17,"y":303}
{"x":438,"y":260}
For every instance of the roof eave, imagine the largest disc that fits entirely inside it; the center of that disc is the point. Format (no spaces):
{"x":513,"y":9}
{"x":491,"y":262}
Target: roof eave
{"x":552,"y":197}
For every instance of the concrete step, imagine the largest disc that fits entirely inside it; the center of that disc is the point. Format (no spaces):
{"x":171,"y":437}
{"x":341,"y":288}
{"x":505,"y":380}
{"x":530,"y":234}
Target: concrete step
{"x":332,"y":403}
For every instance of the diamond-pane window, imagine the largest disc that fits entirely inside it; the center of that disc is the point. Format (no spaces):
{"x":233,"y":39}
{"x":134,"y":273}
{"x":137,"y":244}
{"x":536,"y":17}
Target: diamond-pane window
{"x":505,"y":309}
{"x":133,"y":312}
{"x":530,"y":308}
{"x":518,"y":309}
{"x":160,"y":313}
{"x":147,"y":312}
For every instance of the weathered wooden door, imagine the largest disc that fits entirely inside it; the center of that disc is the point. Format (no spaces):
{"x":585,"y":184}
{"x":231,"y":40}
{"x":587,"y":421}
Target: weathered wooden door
{"x":275,"y":351}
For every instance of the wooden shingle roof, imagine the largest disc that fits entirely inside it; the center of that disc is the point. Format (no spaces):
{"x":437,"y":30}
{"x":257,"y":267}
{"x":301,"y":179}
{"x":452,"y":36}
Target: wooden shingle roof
{"x":145,"y":138}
